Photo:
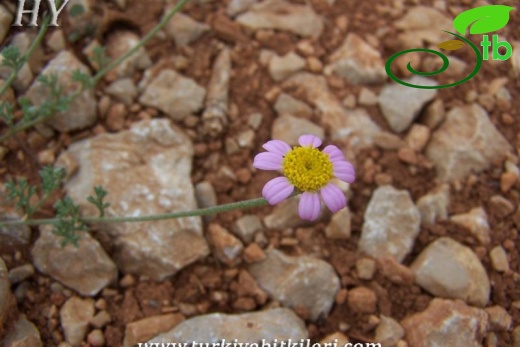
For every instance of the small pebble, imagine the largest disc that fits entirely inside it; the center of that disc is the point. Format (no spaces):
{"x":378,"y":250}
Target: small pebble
{"x":499,"y":259}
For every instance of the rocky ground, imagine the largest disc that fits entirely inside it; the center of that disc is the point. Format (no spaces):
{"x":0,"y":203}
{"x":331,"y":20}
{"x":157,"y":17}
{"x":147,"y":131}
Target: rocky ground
{"x":426,"y":253}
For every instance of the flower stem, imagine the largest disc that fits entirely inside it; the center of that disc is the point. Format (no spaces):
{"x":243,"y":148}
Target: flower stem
{"x":199,"y":212}
{"x":141,"y":43}
{"x":27,"y":55}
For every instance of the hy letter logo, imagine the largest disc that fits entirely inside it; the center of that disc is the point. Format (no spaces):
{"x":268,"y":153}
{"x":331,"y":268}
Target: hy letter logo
{"x":55,"y":12}
{"x":479,"y":20}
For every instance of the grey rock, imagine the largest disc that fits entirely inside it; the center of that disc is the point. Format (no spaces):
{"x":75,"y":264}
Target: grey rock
{"x":286,"y":104}
{"x":20,"y":273}
{"x":247,"y":226}
{"x":13,"y":236}
{"x":446,"y":323}
{"x":354,"y":127}
{"x":238,"y":6}
{"x":82,"y":111}
{"x":226,"y":247}
{"x":423,"y":24}
{"x":388,"y":332}
{"x":68,"y":266}
{"x":289,"y":128}
{"x":298,"y":282}
{"x":476,"y":222}
{"x":448,"y":269}
{"x":75,"y":315}
{"x":120,"y":43}
{"x":281,"y":67}
{"x":23,"y":334}
{"x":281,"y":15}
{"x":124,"y":90}
{"x":205,"y":194}
{"x":357,"y":62}
{"x":339,"y":226}
{"x":391,"y":224}
{"x":466,"y":142}
{"x":215,"y":116}
{"x":401,"y":104}
{"x":147,"y":171}
{"x":279,"y":323}
{"x":174,"y":94}
{"x":184,"y":30}
{"x":434,"y":205}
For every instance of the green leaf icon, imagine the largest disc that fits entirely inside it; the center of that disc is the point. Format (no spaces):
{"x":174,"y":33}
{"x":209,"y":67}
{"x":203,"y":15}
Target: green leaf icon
{"x":485,"y":19}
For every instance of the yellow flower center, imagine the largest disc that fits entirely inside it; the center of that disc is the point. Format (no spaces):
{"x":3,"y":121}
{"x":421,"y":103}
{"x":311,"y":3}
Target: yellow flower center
{"x":307,"y":168}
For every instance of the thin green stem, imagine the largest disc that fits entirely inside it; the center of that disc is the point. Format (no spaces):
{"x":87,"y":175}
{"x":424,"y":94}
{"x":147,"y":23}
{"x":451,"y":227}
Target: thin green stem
{"x":27,"y":55}
{"x":143,"y":42}
{"x":200,"y":212}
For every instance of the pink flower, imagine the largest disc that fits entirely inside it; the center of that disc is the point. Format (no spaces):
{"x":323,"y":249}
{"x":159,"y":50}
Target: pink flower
{"x":307,"y":169}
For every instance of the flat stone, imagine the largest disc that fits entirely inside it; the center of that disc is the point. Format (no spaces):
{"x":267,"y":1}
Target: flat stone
{"x":365,"y":268}
{"x":75,"y":315}
{"x":499,"y":260}
{"x":448,"y":269}
{"x":278,"y":323}
{"x":357,"y":62}
{"x":434,"y":205}
{"x":215,"y":116}
{"x":391,"y":224}
{"x":147,"y":328}
{"x":82,"y":111}
{"x":418,"y":137}
{"x":20,"y":273}
{"x":282,"y":15}
{"x":238,"y":6}
{"x":389,"y":331}
{"x":227,"y":248}
{"x":118,"y":44}
{"x":442,"y":324}
{"x":286,"y":104}
{"x":174,"y":94}
{"x":247,"y":226}
{"x":23,"y":334}
{"x":124,"y":90}
{"x":289,"y":129}
{"x":297,"y":282}
{"x":353,"y":127}
{"x":476,"y":222}
{"x":13,"y":237}
{"x":400,"y":104}
{"x":281,"y":67}
{"x":466,"y":142}
{"x":146,"y":171}
{"x":339,"y":225}
{"x":67,"y":264}
{"x":183,"y":29}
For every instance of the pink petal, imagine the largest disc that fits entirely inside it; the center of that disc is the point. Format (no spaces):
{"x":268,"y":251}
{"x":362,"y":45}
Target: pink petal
{"x":277,"y":147}
{"x":335,"y":154}
{"x":306,"y":140}
{"x":333,"y":197}
{"x":277,"y":190}
{"x":344,"y":171}
{"x":309,"y":207}
{"x":268,"y":161}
